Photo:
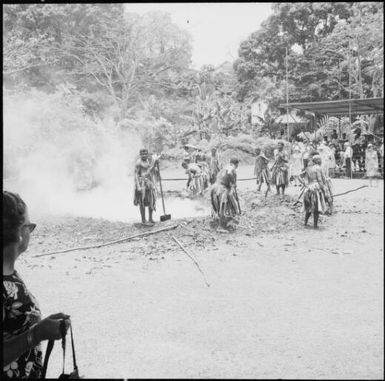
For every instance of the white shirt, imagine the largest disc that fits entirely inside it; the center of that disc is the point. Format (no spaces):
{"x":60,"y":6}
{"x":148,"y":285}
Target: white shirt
{"x":348,"y":152}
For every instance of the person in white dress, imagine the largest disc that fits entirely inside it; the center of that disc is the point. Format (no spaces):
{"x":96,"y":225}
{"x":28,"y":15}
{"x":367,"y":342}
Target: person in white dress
{"x":371,"y":164}
{"x":332,"y":163}
{"x":296,"y":164}
{"x":326,"y":154}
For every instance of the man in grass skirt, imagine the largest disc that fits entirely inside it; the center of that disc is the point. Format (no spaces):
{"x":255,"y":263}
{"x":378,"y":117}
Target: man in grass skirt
{"x":145,"y":189}
{"x":261,"y":170}
{"x":224,"y":197}
{"x":215,"y":165}
{"x":317,"y":197}
{"x":280,"y":175}
{"x":197,"y":181}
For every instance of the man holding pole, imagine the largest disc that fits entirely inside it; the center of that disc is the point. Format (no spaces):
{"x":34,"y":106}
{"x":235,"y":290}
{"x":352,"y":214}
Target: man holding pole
{"x":145,"y":188}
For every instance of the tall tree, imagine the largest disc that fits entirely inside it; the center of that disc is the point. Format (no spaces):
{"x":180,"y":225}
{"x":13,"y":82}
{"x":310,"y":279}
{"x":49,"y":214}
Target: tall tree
{"x":327,"y":44}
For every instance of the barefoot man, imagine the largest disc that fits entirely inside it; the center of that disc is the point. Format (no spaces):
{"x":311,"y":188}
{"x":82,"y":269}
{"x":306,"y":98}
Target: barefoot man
{"x":224,"y":197}
{"x":279,"y":175}
{"x":145,"y":189}
{"x":316,"y":198}
{"x":261,"y":170}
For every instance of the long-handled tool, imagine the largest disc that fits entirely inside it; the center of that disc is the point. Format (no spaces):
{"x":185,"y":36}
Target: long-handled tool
{"x":165,"y":216}
{"x":301,"y":193}
{"x":339,"y":194}
{"x":236,"y":196}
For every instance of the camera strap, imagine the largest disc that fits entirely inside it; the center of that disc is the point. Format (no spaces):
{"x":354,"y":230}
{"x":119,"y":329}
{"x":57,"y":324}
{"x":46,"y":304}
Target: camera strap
{"x":73,"y":350}
{"x":50,"y":346}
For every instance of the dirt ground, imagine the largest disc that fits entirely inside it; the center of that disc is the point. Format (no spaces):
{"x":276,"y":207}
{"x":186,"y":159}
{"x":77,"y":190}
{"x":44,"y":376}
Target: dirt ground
{"x":284,"y":301}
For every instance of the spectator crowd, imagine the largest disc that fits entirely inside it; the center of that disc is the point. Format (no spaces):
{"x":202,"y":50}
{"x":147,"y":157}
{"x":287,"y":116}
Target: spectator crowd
{"x":360,"y":156}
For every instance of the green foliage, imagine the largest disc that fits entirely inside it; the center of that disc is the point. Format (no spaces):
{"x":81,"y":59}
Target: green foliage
{"x":136,"y":68}
{"x":317,"y":37}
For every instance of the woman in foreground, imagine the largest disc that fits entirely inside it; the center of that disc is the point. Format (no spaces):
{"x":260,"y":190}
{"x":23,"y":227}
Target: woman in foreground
{"x":23,"y":329}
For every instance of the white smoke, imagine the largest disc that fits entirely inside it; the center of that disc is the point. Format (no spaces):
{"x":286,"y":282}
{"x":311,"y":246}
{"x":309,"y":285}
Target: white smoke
{"x":51,"y":149}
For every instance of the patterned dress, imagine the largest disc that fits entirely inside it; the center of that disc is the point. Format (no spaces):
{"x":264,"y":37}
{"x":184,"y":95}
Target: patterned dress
{"x":21,"y":312}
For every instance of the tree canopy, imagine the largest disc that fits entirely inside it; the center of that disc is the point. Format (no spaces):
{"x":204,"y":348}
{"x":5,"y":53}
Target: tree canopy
{"x":138,"y":67}
{"x":332,"y":48}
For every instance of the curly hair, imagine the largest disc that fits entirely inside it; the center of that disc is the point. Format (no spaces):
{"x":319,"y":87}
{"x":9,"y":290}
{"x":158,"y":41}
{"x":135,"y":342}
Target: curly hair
{"x":14,"y":209}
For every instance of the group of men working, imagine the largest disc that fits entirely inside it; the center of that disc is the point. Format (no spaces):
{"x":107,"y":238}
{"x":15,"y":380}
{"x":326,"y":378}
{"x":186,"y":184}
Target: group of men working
{"x":202,"y":171}
{"x":316,"y":185}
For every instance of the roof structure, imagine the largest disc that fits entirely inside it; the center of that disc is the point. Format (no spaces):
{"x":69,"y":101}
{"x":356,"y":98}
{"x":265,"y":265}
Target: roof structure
{"x":341,"y":107}
{"x":290,"y":119}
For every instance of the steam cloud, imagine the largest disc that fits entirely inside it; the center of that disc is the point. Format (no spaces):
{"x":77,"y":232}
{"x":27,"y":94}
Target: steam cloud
{"x":51,"y":149}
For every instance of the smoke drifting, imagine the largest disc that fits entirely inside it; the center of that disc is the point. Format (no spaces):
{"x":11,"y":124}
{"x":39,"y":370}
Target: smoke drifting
{"x":62,"y":162}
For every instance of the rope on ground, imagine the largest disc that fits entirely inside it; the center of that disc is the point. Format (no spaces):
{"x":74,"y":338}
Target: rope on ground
{"x":110,"y":243}
{"x":193,"y":259}
{"x":251,"y":178}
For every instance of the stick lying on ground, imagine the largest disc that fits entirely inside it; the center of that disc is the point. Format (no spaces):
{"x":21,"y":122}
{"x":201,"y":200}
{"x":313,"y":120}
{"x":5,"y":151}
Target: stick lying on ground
{"x":336,"y":195}
{"x":353,"y":190}
{"x":112,"y":242}
{"x":194,"y":260}
{"x":250,"y":178}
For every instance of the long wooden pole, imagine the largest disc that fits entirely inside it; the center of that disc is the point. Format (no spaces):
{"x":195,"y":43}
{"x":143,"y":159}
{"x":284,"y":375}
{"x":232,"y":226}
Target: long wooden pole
{"x":339,"y":194}
{"x":110,"y":243}
{"x":192,"y":258}
{"x":287,"y":98}
{"x":352,"y":190}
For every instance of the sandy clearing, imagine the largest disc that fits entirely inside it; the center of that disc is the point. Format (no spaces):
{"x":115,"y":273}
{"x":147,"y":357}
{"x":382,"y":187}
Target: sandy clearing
{"x":298,"y":304}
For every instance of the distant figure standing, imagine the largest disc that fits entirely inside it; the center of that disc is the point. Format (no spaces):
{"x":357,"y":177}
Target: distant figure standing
{"x":371,"y":164}
{"x":348,"y":155}
{"x":332,"y":163}
{"x":296,"y":164}
{"x":145,"y":188}
{"x":215,"y":165}
{"x":316,"y":198}
{"x":280,"y":176}
{"x":325,"y":153}
{"x":307,"y":154}
{"x":261,"y":170}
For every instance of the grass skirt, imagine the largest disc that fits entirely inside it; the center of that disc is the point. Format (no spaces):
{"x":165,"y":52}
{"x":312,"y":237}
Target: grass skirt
{"x":199,"y":183}
{"x":148,"y":196}
{"x":223,"y":201}
{"x":280,"y":176}
{"x":263,"y":176}
{"x":315,"y":199}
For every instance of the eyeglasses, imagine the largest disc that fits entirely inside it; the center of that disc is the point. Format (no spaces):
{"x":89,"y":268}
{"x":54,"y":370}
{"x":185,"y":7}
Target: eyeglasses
{"x":31,"y":227}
